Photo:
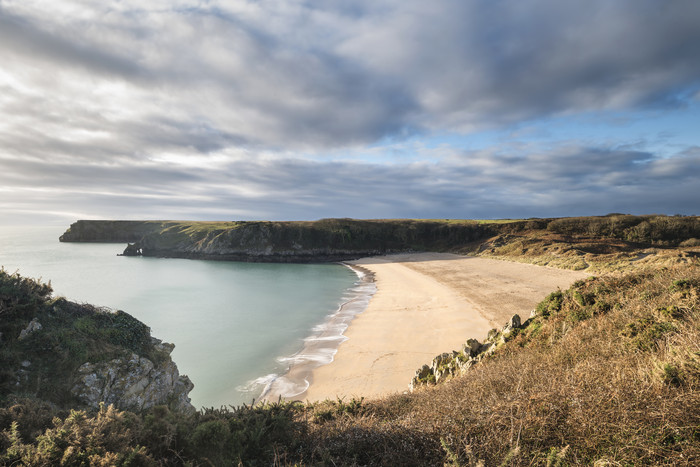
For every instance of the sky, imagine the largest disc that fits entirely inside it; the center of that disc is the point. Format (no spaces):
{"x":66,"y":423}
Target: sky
{"x":300,"y":109}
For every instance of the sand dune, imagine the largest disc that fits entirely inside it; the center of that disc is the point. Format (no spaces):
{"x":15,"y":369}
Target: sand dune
{"x":426,"y":304}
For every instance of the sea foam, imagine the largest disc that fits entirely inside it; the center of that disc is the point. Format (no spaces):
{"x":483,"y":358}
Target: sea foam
{"x":320,"y":347}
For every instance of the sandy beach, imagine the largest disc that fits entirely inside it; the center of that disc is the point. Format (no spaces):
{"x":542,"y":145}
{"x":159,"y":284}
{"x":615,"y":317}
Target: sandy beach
{"x":426,"y":304}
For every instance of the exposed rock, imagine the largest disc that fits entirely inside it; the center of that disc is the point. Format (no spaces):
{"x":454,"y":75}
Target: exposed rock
{"x":132,"y":249}
{"x":514,"y":323}
{"x":423,"y":372}
{"x":487,"y":349}
{"x":133,"y":383}
{"x":26,"y":364}
{"x":472,"y":347}
{"x":421,"y":377}
{"x":473,"y":351}
{"x":162,"y":346}
{"x":464,"y":365}
{"x":440,"y":360}
{"x":33,"y":326}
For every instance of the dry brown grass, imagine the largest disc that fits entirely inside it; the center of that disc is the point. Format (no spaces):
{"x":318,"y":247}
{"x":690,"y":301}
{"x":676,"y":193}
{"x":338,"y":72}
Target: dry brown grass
{"x":612,"y":378}
{"x":594,"y":254}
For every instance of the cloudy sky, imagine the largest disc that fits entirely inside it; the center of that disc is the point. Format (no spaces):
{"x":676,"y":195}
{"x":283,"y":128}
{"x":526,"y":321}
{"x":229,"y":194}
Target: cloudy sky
{"x":294,"y":109}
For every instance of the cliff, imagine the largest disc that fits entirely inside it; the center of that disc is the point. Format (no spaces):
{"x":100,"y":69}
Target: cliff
{"x":323,"y":240}
{"x":108,"y":231}
{"x":75,"y":355}
{"x":563,"y":242}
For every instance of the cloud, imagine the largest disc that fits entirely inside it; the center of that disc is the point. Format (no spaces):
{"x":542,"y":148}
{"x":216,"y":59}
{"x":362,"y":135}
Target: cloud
{"x":291,"y":109}
{"x":560,"y":181}
{"x":317,"y":75}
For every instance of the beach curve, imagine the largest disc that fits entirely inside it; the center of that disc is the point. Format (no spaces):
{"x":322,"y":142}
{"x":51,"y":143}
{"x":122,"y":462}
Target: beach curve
{"x":425,"y":304}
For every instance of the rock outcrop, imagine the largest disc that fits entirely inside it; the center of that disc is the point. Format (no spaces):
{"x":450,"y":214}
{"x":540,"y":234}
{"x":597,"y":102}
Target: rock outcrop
{"x":451,"y":364}
{"x":132,"y":249}
{"x":33,"y":326}
{"x":134,"y":383}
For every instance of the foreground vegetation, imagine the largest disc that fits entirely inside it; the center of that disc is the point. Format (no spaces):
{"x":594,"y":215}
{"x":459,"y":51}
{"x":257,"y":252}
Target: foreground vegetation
{"x":41,"y":364}
{"x":608,"y":373}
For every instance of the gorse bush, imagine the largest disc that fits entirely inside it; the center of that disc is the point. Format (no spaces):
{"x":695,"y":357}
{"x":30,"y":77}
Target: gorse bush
{"x":20,"y":296}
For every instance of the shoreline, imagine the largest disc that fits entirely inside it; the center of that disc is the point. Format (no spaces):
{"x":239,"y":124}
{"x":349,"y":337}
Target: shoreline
{"x":426,"y":304}
{"x":321,"y":346}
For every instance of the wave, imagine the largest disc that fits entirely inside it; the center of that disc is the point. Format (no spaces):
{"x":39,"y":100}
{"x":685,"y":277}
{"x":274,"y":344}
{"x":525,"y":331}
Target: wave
{"x":319,"y":348}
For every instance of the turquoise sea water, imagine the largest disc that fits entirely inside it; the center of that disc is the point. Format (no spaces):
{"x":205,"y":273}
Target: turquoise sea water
{"x":232,"y":323}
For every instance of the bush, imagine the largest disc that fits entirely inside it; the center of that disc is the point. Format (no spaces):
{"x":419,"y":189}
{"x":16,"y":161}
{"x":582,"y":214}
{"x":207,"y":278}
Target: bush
{"x":551,"y":304}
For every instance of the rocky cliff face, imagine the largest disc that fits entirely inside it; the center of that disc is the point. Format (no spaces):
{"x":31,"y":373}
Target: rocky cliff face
{"x":258,"y":242}
{"x":324,"y":240}
{"x":134,"y":383}
{"x":73,"y":354}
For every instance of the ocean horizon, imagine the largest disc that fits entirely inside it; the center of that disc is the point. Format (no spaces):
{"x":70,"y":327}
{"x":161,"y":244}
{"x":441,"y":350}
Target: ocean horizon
{"x":237,"y":327}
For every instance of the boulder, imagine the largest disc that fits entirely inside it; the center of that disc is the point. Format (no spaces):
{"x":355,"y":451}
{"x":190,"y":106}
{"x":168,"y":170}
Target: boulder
{"x":464,"y":365}
{"x":439,"y":361}
{"x":492,"y":334}
{"x":33,"y":326}
{"x":514,"y":323}
{"x":421,"y":377}
{"x":443,"y":372}
{"x":423,"y":372}
{"x":472,"y":347}
{"x":133,"y":383}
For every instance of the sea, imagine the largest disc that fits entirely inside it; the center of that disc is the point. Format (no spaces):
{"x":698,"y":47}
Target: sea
{"x":237,"y":327}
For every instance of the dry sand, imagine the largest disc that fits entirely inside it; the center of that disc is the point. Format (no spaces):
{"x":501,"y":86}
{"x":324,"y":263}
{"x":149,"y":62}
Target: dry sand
{"x":426,"y":304}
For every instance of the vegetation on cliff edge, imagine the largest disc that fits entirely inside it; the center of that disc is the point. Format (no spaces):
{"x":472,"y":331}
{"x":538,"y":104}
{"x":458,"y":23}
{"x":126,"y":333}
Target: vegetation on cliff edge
{"x":41,"y":364}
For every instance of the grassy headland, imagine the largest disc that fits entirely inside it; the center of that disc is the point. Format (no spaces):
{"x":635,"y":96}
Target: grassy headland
{"x":572,"y":243}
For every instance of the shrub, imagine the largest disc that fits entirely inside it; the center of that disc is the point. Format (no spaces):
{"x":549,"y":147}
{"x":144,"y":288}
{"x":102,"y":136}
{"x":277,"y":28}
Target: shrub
{"x":551,"y":304}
